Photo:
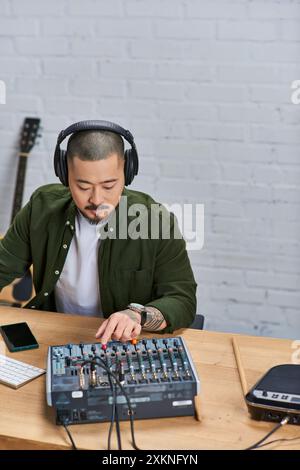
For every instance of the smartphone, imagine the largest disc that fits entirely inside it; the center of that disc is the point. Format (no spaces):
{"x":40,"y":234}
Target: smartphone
{"x":18,"y":337}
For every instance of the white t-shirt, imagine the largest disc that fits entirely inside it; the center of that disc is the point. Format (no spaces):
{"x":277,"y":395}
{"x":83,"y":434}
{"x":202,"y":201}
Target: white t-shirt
{"x":77,"y":290}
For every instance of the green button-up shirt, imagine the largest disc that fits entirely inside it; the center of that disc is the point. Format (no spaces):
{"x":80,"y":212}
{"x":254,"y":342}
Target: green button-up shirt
{"x":151,"y":270}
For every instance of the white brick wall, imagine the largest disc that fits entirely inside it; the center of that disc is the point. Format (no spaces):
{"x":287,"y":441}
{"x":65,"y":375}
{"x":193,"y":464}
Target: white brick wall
{"x":205,"y":87}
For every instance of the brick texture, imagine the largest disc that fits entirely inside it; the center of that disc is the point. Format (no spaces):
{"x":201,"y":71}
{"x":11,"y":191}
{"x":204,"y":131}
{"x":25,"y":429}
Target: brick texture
{"x":205,"y":87}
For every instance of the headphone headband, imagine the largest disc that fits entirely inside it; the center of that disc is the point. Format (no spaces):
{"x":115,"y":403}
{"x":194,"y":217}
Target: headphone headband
{"x":96,"y":125}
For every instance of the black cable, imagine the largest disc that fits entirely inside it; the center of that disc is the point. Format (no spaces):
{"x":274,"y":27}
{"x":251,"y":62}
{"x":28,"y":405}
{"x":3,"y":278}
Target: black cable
{"x":279,"y":440}
{"x":119,"y":367}
{"x":82,"y":363}
{"x":112,"y":419}
{"x":113,"y":391}
{"x":118,"y":431}
{"x":118,"y":426}
{"x":114,"y":409}
{"x":130,"y":411}
{"x":284,"y":421}
{"x":70,"y":435}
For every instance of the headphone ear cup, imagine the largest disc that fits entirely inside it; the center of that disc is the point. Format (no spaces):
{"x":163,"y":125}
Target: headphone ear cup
{"x":58,"y":164}
{"x":128,"y":168}
{"x":64,"y":167}
{"x":56,"y":161}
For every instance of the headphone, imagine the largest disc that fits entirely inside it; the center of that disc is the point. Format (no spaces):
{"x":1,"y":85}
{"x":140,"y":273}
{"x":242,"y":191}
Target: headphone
{"x":131,"y":165}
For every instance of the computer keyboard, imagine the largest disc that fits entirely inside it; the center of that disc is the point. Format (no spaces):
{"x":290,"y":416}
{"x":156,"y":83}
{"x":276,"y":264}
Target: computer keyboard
{"x":15,"y":373}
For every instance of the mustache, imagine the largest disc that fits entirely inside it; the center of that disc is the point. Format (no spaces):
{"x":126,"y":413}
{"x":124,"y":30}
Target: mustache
{"x":99,"y":208}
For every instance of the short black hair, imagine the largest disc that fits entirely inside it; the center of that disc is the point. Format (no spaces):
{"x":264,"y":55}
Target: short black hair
{"x":94,"y":145}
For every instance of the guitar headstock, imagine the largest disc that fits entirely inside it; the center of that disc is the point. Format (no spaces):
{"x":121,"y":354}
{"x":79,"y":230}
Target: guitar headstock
{"x":29,"y":134}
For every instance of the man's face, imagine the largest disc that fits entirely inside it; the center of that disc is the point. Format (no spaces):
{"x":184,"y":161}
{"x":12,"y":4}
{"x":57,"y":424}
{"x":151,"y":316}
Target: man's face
{"x":96,"y":183}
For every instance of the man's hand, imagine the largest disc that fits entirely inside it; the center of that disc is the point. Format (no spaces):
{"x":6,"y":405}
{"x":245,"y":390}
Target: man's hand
{"x":121,"y":326}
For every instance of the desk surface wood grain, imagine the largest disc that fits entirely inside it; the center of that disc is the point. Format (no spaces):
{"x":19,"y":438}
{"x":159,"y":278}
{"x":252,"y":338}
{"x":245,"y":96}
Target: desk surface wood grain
{"x":26,"y":422}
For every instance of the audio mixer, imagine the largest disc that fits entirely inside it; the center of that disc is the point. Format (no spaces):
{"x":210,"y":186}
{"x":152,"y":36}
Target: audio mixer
{"x":85,"y":380}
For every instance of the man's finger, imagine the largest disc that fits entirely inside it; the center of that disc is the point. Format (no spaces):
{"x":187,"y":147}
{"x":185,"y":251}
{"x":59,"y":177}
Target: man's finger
{"x":127,"y":333}
{"x":110,"y":328}
{"x":136,"y":331}
{"x":101,"y":329}
{"x":119,"y":330}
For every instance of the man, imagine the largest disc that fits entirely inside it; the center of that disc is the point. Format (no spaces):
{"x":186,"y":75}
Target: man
{"x":81,"y":262}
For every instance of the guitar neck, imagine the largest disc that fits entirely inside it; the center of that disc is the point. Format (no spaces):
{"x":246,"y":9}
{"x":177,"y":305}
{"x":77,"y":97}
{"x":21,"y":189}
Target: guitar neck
{"x":19,"y":189}
{"x":29,"y":134}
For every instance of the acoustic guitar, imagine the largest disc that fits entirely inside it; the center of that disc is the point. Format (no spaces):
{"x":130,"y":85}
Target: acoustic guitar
{"x":21,"y":290}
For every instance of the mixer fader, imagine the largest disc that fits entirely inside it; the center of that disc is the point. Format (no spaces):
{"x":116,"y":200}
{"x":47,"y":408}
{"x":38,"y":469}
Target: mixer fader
{"x":158,"y":376}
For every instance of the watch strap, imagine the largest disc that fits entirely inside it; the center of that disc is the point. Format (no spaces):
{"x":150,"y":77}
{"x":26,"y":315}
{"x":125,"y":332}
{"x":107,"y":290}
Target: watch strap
{"x":139,"y":309}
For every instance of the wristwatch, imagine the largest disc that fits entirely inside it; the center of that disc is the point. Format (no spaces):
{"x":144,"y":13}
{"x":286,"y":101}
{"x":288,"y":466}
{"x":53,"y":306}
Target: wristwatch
{"x":141,"y":309}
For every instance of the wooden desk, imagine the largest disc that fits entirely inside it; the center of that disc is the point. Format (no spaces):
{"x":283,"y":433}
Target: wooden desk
{"x":26,"y":422}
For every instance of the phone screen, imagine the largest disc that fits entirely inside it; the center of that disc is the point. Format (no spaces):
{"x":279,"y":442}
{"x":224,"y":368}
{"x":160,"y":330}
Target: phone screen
{"x":18,"y":336}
